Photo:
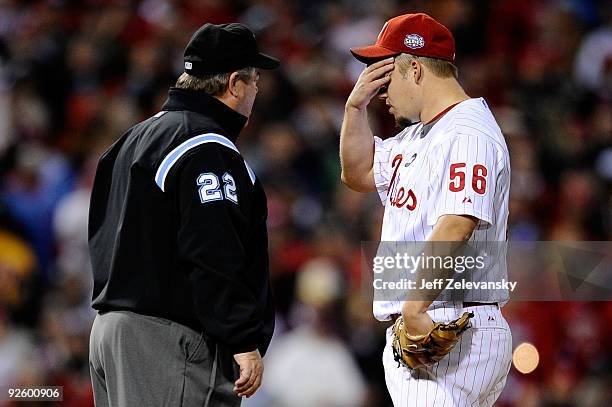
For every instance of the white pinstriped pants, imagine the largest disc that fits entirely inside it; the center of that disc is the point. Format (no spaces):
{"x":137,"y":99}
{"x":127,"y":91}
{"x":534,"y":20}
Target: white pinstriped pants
{"x":473,"y":374}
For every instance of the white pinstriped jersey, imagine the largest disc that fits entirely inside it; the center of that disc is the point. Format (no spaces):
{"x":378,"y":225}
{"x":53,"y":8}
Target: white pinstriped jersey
{"x":457,"y":165}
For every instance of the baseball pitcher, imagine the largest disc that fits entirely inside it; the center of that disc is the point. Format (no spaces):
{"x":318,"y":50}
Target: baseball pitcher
{"x":444,"y":177}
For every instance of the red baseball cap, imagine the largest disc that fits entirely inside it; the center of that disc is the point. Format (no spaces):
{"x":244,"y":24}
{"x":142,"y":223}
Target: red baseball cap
{"x":416,"y":34}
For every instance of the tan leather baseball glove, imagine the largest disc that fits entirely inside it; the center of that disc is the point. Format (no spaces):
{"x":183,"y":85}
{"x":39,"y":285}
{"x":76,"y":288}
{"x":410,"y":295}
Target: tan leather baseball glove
{"x":415,"y":351}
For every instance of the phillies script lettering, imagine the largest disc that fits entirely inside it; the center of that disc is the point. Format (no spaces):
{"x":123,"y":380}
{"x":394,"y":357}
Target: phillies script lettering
{"x":400,"y":197}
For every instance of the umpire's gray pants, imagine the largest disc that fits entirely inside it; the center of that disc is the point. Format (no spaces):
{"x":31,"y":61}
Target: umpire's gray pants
{"x":137,"y":360}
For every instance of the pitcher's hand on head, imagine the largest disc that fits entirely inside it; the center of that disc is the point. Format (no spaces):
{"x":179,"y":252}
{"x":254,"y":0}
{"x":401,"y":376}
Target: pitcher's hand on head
{"x":251,"y":372}
{"x":369,"y":83}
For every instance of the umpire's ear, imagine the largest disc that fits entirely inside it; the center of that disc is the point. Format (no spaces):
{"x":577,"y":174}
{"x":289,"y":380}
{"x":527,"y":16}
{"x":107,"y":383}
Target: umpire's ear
{"x":235,"y":86}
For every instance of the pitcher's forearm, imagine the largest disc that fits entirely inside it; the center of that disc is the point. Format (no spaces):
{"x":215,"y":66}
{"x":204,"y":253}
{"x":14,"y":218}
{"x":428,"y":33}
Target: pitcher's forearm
{"x":356,"y":140}
{"x":357,"y":150}
{"x":447,"y":239}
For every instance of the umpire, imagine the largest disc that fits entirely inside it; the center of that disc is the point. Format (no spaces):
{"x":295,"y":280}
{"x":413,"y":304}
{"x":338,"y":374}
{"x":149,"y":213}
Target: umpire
{"x":178,"y":241}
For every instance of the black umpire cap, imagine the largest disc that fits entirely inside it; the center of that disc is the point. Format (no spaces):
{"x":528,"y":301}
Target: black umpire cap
{"x":222,"y":48}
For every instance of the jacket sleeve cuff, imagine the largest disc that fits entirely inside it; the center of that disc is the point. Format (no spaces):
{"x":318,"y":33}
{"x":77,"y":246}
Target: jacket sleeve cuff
{"x":243,"y":347}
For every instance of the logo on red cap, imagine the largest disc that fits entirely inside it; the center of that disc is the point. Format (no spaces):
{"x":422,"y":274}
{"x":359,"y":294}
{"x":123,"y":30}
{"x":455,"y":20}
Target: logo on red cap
{"x":433,"y":40}
{"x":414,"y":41}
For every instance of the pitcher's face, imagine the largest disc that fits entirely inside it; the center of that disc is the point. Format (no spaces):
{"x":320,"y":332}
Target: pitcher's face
{"x":402,"y":97}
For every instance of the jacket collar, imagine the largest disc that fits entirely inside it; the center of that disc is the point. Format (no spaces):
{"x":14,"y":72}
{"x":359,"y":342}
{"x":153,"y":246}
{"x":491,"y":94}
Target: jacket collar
{"x":229,"y":119}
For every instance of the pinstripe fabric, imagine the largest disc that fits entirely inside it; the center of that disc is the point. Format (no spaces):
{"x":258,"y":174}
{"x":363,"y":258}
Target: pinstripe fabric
{"x":467,"y":134}
{"x":473,"y":374}
{"x":421,"y":163}
{"x":382,"y":170}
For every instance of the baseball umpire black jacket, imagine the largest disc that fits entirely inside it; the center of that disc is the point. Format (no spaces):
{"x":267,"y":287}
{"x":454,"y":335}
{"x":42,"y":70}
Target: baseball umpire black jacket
{"x":177,"y":225}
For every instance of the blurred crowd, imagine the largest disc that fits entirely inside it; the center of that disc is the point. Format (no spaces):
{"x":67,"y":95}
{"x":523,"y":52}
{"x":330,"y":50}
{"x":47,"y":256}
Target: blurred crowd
{"x":74,"y":75}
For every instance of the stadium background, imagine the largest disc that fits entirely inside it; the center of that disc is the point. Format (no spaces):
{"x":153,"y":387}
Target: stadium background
{"x":75,"y":74}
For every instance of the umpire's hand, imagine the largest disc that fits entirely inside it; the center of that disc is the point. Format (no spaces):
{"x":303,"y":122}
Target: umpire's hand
{"x":251,"y":371}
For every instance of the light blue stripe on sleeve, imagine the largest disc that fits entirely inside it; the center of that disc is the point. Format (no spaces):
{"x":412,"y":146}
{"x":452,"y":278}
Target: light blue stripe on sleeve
{"x":174,"y":155}
{"x":251,"y":172}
